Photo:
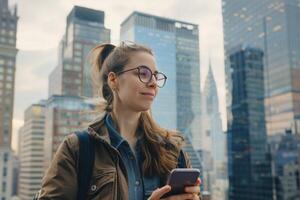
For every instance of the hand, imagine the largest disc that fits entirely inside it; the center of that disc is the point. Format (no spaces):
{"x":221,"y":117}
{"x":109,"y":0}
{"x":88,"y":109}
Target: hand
{"x":192,"y":192}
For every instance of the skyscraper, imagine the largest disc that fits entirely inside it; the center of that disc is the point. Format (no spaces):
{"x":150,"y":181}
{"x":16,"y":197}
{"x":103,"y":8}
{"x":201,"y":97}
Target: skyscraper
{"x":176,"y":48}
{"x":8,"y":51}
{"x":32,"y":135}
{"x":213,"y":140}
{"x":273,"y":27}
{"x":248,"y":160}
{"x":84,"y":30}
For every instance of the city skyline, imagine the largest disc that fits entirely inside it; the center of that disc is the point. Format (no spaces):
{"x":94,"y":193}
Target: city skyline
{"x":36,"y":71}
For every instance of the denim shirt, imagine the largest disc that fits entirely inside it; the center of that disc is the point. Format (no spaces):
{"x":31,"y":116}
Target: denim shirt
{"x":139,"y":187}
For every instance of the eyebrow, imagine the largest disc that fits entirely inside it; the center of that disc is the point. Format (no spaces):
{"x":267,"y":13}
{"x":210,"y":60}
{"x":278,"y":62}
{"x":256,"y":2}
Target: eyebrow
{"x":149,"y":68}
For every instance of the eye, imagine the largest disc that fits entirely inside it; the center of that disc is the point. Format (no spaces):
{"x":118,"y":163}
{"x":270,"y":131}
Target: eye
{"x":144,"y":72}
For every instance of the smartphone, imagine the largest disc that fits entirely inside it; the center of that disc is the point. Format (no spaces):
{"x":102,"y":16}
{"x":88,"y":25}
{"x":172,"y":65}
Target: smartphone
{"x":179,"y":178}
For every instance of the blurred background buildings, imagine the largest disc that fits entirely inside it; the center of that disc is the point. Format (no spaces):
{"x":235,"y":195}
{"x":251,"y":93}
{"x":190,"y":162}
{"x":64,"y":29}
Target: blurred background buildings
{"x":257,"y":157}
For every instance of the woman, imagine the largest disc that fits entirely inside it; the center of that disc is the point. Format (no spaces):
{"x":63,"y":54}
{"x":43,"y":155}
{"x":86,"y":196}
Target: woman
{"x":133,"y":155}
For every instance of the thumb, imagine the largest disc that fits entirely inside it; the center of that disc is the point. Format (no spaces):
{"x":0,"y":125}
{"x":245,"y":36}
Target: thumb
{"x":159,"y":192}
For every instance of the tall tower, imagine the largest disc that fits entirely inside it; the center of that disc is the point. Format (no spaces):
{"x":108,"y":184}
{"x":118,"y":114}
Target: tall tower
{"x":32,"y":135}
{"x":8,"y":52}
{"x":84,"y":30}
{"x":248,"y":161}
{"x":214,"y":149}
{"x":273,"y":27}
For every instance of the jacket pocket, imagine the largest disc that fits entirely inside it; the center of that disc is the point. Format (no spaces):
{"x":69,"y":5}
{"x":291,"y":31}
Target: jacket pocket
{"x":102,"y":184}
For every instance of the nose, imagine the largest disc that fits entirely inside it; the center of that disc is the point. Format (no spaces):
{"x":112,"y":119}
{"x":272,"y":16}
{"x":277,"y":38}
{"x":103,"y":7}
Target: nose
{"x":153,"y":81}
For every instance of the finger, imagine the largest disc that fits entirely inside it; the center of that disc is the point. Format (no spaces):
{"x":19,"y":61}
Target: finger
{"x":159,"y":192}
{"x":192,"y":189}
{"x":196,"y":197}
{"x":182,"y":196}
{"x":198,"y":181}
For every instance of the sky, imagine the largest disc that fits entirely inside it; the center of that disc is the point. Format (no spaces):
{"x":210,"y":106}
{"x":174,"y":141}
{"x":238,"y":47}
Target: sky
{"x":42,"y":24}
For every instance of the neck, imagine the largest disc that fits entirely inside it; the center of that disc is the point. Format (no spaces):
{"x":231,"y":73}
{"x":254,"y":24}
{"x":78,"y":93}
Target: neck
{"x":127,"y":122}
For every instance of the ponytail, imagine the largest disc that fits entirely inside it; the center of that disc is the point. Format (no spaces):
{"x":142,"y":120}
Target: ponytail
{"x":99,"y":71}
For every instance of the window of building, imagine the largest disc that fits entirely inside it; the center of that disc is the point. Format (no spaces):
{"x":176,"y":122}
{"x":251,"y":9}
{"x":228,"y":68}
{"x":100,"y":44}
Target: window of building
{"x":77,"y":59}
{"x":77,"y":67}
{"x":4,"y":172}
{"x":11,"y":41}
{"x":9,"y":71}
{"x":67,"y":67}
{"x":6,"y":156}
{"x":11,"y":33}
{"x":9,"y":78}
{"x":10,"y":63}
{"x":8,"y":85}
{"x":3,"y":187}
{"x":77,"y":46}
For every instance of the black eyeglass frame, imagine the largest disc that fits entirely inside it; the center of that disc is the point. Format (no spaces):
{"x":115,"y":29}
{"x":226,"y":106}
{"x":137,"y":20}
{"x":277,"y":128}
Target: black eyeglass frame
{"x":143,"y":66}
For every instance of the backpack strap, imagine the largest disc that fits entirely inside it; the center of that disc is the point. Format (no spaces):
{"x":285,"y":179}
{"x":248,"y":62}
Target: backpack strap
{"x":86,"y":163}
{"x":181,"y":160}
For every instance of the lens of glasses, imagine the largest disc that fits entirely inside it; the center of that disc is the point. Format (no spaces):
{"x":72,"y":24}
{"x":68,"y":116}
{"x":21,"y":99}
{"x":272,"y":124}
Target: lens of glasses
{"x":160,"y":79}
{"x":145,"y":74}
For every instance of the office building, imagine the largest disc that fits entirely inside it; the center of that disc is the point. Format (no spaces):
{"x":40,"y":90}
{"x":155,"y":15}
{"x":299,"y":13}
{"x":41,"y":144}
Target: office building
{"x":214,"y":148}
{"x":32,"y":136}
{"x":249,"y":164}
{"x":84,"y":30}
{"x":273,"y":27}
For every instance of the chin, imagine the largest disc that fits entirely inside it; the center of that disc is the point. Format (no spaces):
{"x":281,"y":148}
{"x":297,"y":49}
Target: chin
{"x":143,"y":108}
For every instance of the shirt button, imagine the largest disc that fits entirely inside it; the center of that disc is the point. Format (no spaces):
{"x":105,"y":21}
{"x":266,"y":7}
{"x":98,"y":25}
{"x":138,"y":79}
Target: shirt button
{"x":93,"y":188}
{"x":137,"y":182}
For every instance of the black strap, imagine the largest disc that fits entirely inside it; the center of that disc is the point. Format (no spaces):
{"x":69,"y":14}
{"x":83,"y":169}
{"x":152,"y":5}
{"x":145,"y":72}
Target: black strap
{"x":181,"y":160}
{"x":86,"y":163}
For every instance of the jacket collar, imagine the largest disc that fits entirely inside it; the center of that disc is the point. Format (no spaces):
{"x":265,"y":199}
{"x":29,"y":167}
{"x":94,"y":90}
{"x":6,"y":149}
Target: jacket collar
{"x":98,"y":129}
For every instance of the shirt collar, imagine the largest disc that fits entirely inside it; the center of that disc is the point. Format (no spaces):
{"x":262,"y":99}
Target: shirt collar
{"x":115,"y":137}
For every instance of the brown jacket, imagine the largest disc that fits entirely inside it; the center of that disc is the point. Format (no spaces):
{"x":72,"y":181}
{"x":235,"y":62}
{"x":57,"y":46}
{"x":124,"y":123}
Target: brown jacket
{"x":108,"y":180}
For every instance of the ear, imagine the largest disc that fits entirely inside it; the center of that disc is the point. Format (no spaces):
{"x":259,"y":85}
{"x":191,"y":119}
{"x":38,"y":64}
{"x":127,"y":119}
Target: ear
{"x":112,"y":80}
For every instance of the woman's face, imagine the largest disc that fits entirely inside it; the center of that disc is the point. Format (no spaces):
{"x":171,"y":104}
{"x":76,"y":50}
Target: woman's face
{"x":130,"y":92}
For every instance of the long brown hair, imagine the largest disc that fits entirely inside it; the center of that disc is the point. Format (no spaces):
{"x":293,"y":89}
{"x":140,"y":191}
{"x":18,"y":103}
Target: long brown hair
{"x":160,"y":147}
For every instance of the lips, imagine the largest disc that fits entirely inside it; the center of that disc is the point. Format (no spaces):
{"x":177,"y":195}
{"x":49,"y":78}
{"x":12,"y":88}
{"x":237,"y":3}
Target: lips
{"x":148,"y":94}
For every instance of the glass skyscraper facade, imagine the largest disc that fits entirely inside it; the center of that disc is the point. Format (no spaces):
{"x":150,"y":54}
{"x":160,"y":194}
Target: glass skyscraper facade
{"x":176,"y":49}
{"x":84,"y":30}
{"x":273,"y":27}
{"x":249,"y":166}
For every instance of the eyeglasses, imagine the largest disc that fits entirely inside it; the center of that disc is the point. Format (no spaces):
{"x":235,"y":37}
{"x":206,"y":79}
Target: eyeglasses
{"x":145,"y":75}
